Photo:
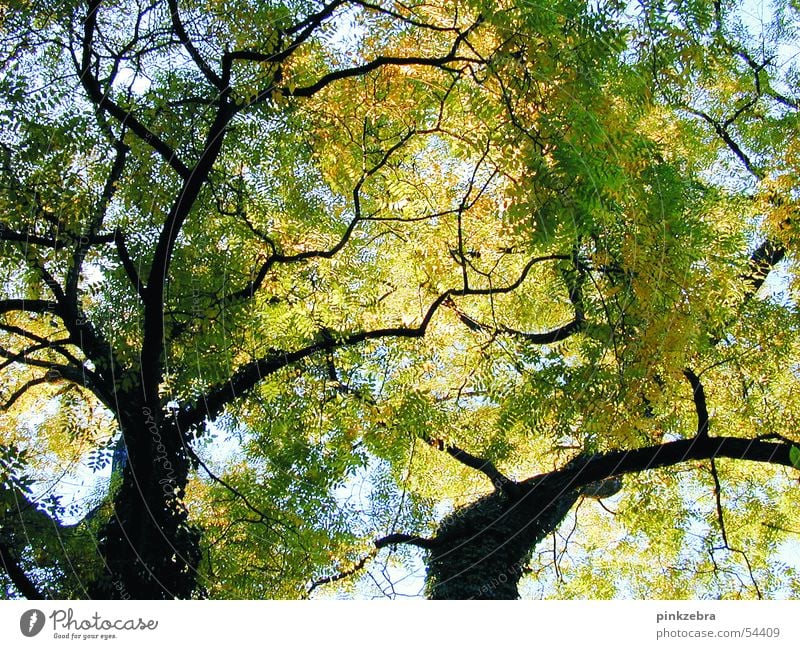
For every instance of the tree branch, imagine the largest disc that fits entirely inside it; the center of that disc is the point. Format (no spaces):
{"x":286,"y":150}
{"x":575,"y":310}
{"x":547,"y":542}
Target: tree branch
{"x":722,"y":131}
{"x":18,"y":577}
{"x":405,"y":539}
{"x":499,"y":480}
{"x":22,"y":356}
{"x":615,"y":463}
{"x":249,"y":375}
{"x":278,"y":258}
{"x":22,"y":390}
{"x":718,"y":500}
{"x":377,"y":62}
{"x":29,"y":306}
{"x":183,"y":36}
{"x":84,"y":243}
{"x":28,"y":238}
{"x":341,"y":575}
{"x":762,"y":261}
{"x":104,"y":103}
{"x":723,"y":531}
{"x":153,"y":334}
{"x":127,"y":264}
{"x":549,"y":337}
{"x":699,"y":395}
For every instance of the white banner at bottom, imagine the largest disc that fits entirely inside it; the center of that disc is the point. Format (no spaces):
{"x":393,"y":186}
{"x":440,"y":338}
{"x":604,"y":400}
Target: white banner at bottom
{"x":390,"y":624}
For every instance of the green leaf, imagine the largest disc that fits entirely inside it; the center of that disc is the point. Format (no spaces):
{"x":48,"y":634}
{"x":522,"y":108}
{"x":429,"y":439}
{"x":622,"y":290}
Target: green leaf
{"x":794,"y":456}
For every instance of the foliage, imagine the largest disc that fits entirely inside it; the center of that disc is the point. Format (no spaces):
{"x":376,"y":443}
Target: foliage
{"x":307,"y":266}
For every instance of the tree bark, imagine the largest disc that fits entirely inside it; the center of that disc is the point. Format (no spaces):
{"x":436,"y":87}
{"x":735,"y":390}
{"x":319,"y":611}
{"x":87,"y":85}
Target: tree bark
{"x":481,"y":549}
{"x":148,"y":548}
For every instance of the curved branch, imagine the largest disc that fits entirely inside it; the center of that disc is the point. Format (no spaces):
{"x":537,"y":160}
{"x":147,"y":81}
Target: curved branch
{"x":154,"y":316}
{"x":341,"y":575}
{"x":83,"y":335}
{"x":361,"y":70}
{"x":278,"y":258}
{"x":183,"y":37}
{"x":78,"y":375}
{"x":29,"y":306}
{"x":248,"y":376}
{"x":252,"y":373}
{"x":99,"y":213}
{"x":105,"y":104}
{"x":378,"y":62}
{"x":127,"y":264}
{"x":18,"y":331}
{"x":549,"y":337}
{"x":721,"y":129}
{"x":22,"y":356}
{"x":406,"y":539}
{"x":499,"y":480}
{"x":18,"y":577}
{"x":7,"y":234}
{"x":762,"y":261}
{"x":615,"y":463}
{"x":22,"y":390}
{"x":699,"y":395}
{"x":723,"y":530}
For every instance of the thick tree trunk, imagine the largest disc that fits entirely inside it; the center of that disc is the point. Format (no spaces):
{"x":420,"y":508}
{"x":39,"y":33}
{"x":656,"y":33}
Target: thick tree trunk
{"x":480,"y":550}
{"x":148,"y":548}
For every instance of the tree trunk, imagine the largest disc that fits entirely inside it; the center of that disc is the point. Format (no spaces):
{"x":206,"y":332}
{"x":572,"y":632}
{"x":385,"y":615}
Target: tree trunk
{"x":148,"y":548}
{"x":480,"y":550}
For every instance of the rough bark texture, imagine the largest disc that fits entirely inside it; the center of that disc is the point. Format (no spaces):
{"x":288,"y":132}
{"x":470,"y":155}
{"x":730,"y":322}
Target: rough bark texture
{"x":482,"y":548}
{"x":148,"y":548}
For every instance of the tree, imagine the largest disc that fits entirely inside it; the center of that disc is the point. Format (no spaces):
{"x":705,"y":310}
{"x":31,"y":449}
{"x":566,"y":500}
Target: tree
{"x":256,"y":253}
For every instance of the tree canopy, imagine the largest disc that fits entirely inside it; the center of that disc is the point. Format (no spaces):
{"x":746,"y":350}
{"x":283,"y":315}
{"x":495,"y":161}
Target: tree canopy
{"x":299,"y":296}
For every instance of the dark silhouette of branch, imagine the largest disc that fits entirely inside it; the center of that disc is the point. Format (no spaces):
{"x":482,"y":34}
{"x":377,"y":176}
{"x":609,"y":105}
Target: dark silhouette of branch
{"x":359,"y":565}
{"x":18,"y":577}
{"x":154,"y":316}
{"x":406,"y":19}
{"x":183,"y":37}
{"x":304,"y":30}
{"x":756,"y":67}
{"x":127,"y":264}
{"x":315,"y":19}
{"x":718,"y":499}
{"x":104,"y":103}
{"x":83,"y":335}
{"x":405,"y":539}
{"x":279,"y":258}
{"x":22,"y":390}
{"x":378,"y":62}
{"x":30,"y":306}
{"x":233,"y":490}
{"x":99,"y":213}
{"x":762,"y":261}
{"x":721,"y":129}
{"x":723,"y":531}
{"x":549,"y":337}
{"x":615,"y":463}
{"x":499,"y":480}
{"x":699,"y":395}
{"x":248,"y":376}
{"x":56,"y":243}
{"x":537,"y":495}
{"x":23,"y":355}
